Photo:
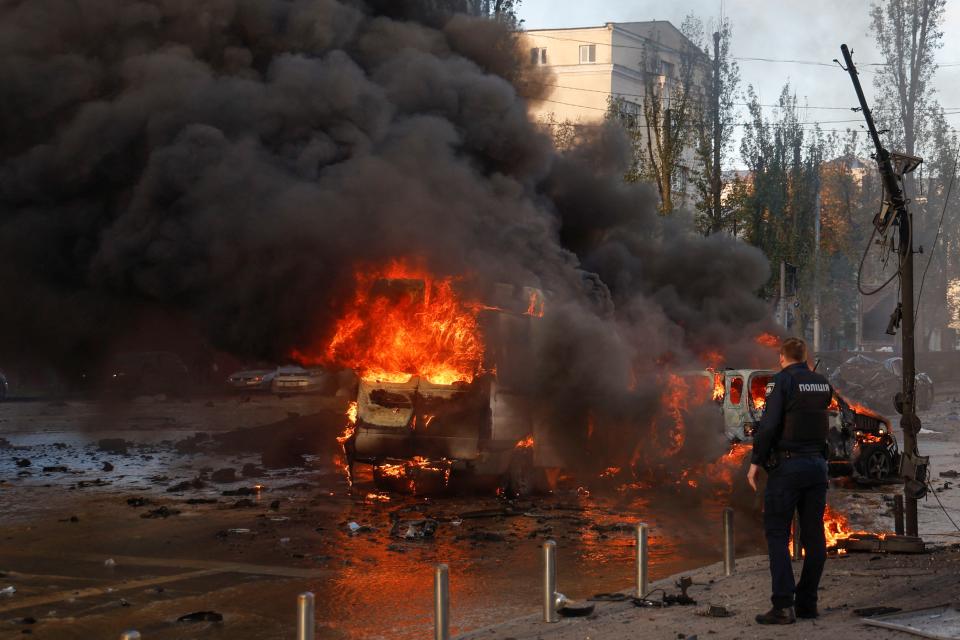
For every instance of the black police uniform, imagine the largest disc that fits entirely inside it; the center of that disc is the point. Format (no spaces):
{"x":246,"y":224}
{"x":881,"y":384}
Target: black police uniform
{"x":791,"y":444}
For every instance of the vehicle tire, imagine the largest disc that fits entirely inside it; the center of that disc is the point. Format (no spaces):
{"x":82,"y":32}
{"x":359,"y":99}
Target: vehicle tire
{"x":875,"y":463}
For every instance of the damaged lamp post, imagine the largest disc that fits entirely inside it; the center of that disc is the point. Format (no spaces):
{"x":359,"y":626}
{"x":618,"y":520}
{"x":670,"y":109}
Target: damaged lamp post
{"x":550,"y":613}
{"x":894,"y":213}
{"x":305,"y":616}
{"x":441,"y":603}
{"x":643,"y":578}
{"x":729,"y":551}
{"x":130,"y":635}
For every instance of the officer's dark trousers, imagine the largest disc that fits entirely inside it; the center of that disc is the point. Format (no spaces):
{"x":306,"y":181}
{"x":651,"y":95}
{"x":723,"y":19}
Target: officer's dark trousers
{"x":797,"y":484}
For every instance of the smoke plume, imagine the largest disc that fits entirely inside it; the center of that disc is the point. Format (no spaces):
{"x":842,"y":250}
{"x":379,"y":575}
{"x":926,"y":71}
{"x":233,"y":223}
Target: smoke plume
{"x":234,"y":160}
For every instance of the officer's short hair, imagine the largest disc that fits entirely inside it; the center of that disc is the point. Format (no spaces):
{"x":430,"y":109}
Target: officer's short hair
{"x":794,"y":349}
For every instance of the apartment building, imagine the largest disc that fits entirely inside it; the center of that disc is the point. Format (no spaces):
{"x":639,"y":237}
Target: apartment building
{"x":588,"y":65}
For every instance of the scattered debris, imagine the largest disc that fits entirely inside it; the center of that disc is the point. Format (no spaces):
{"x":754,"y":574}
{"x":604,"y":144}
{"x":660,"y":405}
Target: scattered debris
{"x":355,"y":528}
{"x":716,"y":611}
{"x":8,"y":591}
{"x":201,"y":616}
{"x":224,"y":475}
{"x":242,"y":491}
{"x":251,"y":470}
{"x":869,"y":612}
{"x":161,"y":512}
{"x":573,"y":609}
{"x":949,"y":474}
{"x":117,"y":446}
{"x":243,"y":504}
{"x":57,"y":469}
{"x":137,"y":501}
{"x":610,"y":597}
{"x":187,"y":485}
{"x":624,"y":527}
{"x":932,"y":622}
{"x":414,"y":529}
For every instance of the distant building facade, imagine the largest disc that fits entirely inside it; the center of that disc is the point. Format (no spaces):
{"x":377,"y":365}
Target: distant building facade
{"x":589,"y":65}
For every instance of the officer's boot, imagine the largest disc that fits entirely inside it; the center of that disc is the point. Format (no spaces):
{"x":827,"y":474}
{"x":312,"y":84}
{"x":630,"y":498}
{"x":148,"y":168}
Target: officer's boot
{"x":777,"y":615}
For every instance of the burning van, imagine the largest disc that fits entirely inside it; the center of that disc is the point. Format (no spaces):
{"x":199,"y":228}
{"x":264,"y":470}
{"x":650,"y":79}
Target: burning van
{"x":442,"y":384}
{"x":861,"y":442}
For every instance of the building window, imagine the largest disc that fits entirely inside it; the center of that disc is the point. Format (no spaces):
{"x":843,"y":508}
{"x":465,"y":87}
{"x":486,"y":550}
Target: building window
{"x":588,"y":53}
{"x":538,"y":55}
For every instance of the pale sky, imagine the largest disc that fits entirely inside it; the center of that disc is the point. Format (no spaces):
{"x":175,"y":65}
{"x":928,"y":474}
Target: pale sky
{"x":811,"y":30}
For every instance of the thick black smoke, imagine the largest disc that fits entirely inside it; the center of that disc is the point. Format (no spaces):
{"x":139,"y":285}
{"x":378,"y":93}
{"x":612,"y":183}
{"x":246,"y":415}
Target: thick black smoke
{"x":235,"y":159}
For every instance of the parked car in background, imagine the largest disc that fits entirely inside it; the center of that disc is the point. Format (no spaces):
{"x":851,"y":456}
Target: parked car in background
{"x":876,"y":383}
{"x":291,"y":380}
{"x":4,"y":387}
{"x":924,"y":382}
{"x":146,"y":373}
{"x":251,"y":380}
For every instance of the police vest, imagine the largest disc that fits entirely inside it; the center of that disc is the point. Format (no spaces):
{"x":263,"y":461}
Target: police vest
{"x":808,"y":397}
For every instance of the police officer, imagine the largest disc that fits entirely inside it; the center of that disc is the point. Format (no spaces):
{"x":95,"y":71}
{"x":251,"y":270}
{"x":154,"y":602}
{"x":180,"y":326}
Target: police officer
{"x":790,"y":444}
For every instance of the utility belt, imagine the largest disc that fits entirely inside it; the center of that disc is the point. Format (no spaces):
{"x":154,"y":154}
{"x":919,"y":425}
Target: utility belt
{"x":778,"y":455}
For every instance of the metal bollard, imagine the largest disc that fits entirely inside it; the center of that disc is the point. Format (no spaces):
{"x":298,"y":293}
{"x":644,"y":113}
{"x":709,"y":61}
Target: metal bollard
{"x":130,"y":635}
{"x":550,"y":613}
{"x":643,"y":578}
{"x":441,"y":603}
{"x":797,"y":555}
{"x":729,"y":551}
{"x":898,"y":514}
{"x":305,"y":616}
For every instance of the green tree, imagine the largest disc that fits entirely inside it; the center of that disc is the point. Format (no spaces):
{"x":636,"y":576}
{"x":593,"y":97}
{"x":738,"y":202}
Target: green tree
{"x":713,"y":133}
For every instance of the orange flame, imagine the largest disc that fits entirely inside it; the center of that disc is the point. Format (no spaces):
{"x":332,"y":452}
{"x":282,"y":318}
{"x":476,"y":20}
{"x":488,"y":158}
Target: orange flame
{"x":535,"y":308}
{"x":403,"y":322}
{"x":675,"y":401}
{"x":409,"y":471}
{"x":719,"y":385}
{"x":526,"y":443}
{"x":767,"y":340}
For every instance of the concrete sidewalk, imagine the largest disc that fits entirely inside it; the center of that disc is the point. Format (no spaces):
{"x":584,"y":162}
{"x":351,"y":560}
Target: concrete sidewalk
{"x":850,"y":582}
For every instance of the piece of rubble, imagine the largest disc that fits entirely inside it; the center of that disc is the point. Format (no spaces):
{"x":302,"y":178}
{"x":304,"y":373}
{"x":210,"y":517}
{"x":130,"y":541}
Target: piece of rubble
{"x":137,"y":501}
{"x":241,"y":491}
{"x":201,"y":616}
{"x":201,"y":501}
{"x":574,"y":609}
{"x":110,"y":563}
{"x":414,"y":529}
{"x":56,"y":469}
{"x":243,"y":504}
{"x":160,"y":512}
{"x":251,"y":470}
{"x":118,"y":446}
{"x":354,"y":528}
{"x":716,"y":611}
{"x":624,"y":527}
{"x":949,"y":474}
{"x":107,"y":466}
{"x":23,"y":462}
{"x":224,"y":476}
{"x":8,"y":591}
{"x":187,"y":485}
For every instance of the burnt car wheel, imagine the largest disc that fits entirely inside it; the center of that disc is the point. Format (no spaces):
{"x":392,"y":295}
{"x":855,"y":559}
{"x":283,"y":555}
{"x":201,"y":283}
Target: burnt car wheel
{"x":876,"y":463}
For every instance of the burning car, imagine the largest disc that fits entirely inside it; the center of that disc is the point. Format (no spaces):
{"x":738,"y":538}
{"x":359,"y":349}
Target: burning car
{"x":434,"y":397}
{"x":860,"y":441}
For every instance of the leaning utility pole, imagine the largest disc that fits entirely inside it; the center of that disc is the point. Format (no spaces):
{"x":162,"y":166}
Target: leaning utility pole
{"x":894,"y":212}
{"x":717,"y":135}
